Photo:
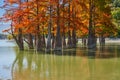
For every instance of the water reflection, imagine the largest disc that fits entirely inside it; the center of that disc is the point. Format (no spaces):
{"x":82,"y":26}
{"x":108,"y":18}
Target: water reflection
{"x":6,"y":59}
{"x":78,"y":64}
{"x":101,"y":52}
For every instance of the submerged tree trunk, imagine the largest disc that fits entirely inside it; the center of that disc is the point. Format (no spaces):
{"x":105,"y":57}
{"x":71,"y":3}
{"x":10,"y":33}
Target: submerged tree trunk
{"x":74,"y":41}
{"x":35,"y":40}
{"x":53,"y":41}
{"x":63,"y":29}
{"x":43,"y":41}
{"x":69,"y":43}
{"x":20,"y":40}
{"x":29,"y":35}
{"x":58,"y":40}
{"x":84,"y":41}
{"x":102,"y":40}
{"x":38,"y":35}
{"x":48,"y":46}
{"x":30,"y":41}
{"x":91,"y":34}
{"x":91,"y":39}
{"x":63,"y":40}
{"x":38,"y":42}
{"x":19,"y":37}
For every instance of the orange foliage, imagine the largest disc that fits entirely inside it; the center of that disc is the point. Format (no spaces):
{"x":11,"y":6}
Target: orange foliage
{"x":28,"y":15}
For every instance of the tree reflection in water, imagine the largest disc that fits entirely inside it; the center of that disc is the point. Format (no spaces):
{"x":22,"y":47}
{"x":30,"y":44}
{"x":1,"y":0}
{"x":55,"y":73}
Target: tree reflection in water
{"x":74,"y":64}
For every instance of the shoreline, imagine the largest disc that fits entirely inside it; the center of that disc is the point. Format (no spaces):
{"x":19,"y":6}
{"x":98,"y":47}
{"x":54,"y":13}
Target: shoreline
{"x":107,"y":40}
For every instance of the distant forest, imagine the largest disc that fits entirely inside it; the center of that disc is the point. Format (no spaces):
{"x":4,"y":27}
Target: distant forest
{"x":3,"y":36}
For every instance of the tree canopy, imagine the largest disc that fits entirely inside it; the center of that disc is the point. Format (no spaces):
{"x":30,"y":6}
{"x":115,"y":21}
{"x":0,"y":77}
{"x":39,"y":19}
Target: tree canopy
{"x":33,"y":20}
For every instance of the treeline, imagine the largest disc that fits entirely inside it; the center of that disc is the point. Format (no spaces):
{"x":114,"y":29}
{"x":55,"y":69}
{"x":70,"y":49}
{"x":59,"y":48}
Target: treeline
{"x":46,"y":24}
{"x":3,"y":36}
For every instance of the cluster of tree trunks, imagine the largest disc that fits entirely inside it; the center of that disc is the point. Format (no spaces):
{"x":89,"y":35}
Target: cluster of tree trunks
{"x":61,"y":39}
{"x":57,"y":42}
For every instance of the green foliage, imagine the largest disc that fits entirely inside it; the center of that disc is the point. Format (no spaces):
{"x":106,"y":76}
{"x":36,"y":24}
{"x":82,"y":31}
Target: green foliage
{"x":116,"y":14}
{"x":116,"y":3}
{"x":100,"y":4}
{"x":118,"y":34}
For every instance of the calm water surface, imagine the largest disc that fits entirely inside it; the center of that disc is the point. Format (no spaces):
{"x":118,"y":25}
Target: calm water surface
{"x":75,"y":64}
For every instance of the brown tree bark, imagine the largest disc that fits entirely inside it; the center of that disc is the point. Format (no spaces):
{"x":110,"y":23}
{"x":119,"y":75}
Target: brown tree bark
{"x":30,"y":41}
{"x":38,"y":35}
{"x":74,"y":40}
{"x":102,"y":40}
{"x":84,"y":41}
{"x":48,"y":47}
{"x":20,"y":40}
{"x":58,"y":39}
{"x":69,"y":43}
{"x":91,"y":34}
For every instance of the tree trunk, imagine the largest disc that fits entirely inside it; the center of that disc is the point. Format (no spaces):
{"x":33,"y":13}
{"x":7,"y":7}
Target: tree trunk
{"x":74,"y":41}
{"x":43,"y":41}
{"x":63,"y":40}
{"x":30,"y":37}
{"x":20,"y":40}
{"x":58,"y":40}
{"x":102,"y":40}
{"x":84,"y":41}
{"x":35,"y":41}
{"x":38,"y":35}
{"x":19,"y":37}
{"x":30,"y":41}
{"x":63,"y":29}
{"x":91,"y":34}
{"x":69,"y":43}
{"x":48,"y":47}
{"x":38,"y":42}
{"x":53,"y":42}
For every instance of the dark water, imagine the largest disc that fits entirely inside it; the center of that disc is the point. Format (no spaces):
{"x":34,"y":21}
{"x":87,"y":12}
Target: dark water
{"x":75,"y":64}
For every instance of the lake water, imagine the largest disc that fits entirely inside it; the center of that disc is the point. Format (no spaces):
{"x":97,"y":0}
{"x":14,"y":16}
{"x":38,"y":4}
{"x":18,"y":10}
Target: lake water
{"x":75,"y":64}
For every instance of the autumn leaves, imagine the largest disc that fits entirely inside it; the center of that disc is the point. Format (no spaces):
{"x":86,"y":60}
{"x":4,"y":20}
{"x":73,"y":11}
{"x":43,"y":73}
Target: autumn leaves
{"x":46,"y":24}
